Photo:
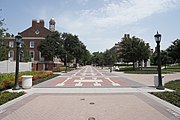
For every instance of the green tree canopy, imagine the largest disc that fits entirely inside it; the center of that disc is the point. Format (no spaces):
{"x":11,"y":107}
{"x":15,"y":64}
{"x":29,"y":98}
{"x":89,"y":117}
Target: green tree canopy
{"x":174,"y":50}
{"x":49,"y":46}
{"x":134,"y":49}
{"x":63,"y":45}
{"x":3,"y":49}
{"x":110,"y":57}
{"x":97,"y":58}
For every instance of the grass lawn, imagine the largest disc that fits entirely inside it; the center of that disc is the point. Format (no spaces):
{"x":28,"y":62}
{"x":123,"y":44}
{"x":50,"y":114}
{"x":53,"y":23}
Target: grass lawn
{"x":173,"y":68}
{"x":130,"y":70}
{"x":171,"y":97}
{"x":7,"y":96}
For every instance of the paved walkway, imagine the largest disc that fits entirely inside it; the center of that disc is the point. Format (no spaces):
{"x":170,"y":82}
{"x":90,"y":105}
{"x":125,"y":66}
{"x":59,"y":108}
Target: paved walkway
{"x":90,"y":94}
{"x":89,"y":77}
{"x":147,"y":79}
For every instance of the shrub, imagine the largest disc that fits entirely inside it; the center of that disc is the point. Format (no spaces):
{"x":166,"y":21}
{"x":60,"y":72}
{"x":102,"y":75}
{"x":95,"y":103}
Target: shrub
{"x":59,"y":69}
{"x":1,"y":86}
{"x":8,"y":84}
{"x":39,"y":76}
{"x":7,"y":80}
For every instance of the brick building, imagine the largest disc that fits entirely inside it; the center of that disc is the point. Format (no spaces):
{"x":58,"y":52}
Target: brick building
{"x":118,"y":46}
{"x":31,"y":38}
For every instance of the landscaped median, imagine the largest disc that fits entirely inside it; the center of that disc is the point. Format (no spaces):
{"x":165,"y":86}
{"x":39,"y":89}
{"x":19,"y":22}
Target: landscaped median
{"x":7,"y":96}
{"x":149,"y":70}
{"x":7,"y":80}
{"x":171,"y":97}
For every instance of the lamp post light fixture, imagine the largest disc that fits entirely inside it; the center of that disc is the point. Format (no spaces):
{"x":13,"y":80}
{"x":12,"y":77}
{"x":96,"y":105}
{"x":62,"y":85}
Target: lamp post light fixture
{"x":158,"y":40}
{"x":18,"y":43}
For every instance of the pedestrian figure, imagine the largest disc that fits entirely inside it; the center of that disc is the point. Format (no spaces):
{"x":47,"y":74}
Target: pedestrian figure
{"x":110,"y":69}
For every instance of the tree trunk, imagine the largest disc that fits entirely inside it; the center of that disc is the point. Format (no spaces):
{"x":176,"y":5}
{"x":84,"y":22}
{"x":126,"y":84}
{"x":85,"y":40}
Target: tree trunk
{"x":133,"y":65}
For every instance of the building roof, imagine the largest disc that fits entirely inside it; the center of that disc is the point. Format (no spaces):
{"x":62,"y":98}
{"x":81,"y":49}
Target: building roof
{"x":36,"y":30}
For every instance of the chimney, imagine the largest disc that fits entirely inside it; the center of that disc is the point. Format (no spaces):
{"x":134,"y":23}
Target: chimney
{"x":41,"y":23}
{"x":34,"y":22}
{"x":37,"y":23}
{"x":126,"y":35}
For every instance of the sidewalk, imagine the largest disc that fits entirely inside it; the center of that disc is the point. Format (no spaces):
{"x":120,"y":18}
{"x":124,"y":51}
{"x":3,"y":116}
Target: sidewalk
{"x":147,"y":79}
{"x":127,"y":103}
{"x":50,"y":104}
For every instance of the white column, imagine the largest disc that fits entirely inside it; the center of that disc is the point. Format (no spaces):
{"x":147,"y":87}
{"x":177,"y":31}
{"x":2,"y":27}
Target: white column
{"x":142,"y":63}
{"x":148,"y":63}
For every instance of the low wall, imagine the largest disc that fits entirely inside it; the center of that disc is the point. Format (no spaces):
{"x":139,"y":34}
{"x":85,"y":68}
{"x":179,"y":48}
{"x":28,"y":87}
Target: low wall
{"x":8,"y":66}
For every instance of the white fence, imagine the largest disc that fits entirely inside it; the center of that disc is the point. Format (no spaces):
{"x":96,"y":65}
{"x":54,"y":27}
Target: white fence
{"x":8,"y":66}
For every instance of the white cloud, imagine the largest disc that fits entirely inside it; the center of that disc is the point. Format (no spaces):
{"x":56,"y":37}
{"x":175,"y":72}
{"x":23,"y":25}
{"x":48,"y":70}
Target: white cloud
{"x":83,"y":2}
{"x":106,"y":20}
{"x":125,"y":12}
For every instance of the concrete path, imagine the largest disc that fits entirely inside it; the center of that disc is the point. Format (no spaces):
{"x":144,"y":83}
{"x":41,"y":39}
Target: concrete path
{"x":48,"y":101}
{"x":147,"y":79}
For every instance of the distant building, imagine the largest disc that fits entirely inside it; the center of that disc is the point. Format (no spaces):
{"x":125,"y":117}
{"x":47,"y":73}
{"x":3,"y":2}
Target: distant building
{"x":118,"y":46}
{"x":31,"y":38}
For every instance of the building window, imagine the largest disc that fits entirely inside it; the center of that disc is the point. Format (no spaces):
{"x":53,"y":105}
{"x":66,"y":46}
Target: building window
{"x":31,"y":44}
{"x":11,"y":44}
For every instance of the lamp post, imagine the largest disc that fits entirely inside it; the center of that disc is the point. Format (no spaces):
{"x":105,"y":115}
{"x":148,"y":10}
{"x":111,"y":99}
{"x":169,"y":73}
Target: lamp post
{"x":66,"y":63}
{"x":111,"y":57}
{"x":158,"y":40}
{"x":18,"y":42}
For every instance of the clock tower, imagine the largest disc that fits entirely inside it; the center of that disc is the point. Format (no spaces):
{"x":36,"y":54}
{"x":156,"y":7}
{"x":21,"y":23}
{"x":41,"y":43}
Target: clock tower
{"x":52,"y":25}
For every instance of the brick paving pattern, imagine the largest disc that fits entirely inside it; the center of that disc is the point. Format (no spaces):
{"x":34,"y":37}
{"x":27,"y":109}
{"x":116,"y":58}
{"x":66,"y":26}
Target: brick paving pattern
{"x":90,"y":92}
{"x":81,"y":107}
{"x":89,"y":77}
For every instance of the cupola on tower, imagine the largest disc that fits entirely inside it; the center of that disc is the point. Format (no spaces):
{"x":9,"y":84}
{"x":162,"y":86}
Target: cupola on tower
{"x":52,"y":25}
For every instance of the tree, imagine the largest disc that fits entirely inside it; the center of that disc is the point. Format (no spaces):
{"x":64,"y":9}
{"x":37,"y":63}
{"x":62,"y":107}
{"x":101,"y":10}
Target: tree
{"x":73,"y":48}
{"x":3,"y":53}
{"x":3,"y":49}
{"x":65,"y":45}
{"x":165,"y":59}
{"x":49,"y":46}
{"x":110,"y":57}
{"x":174,"y":50}
{"x":134,"y":49}
{"x":86,"y":58}
{"x":97,"y":58}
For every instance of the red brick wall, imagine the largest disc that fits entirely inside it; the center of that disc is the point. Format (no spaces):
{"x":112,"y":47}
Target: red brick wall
{"x":31,"y":32}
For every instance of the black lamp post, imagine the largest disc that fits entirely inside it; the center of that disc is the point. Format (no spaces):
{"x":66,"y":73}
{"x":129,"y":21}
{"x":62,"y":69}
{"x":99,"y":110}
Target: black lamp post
{"x":18,"y":42}
{"x":158,"y":40}
{"x":66,"y":63}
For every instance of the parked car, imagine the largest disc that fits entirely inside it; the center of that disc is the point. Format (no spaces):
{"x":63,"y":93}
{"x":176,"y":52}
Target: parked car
{"x":116,"y":68}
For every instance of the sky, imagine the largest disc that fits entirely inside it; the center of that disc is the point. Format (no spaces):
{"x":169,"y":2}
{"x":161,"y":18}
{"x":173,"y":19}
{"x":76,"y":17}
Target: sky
{"x":99,"y":24}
